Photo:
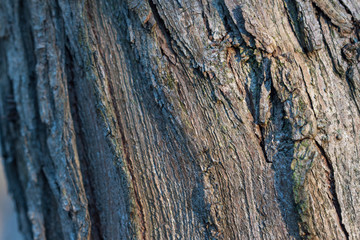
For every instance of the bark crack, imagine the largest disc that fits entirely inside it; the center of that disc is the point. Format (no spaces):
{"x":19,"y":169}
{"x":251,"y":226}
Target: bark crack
{"x":163,"y":28}
{"x":81,"y":145}
{"x":262,"y":144}
{"x":334,"y":199}
{"x":307,"y":93}
{"x":129,"y":163}
{"x":327,"y":47}
{"x":293,"y":14}
{"x":352,"y":92}
{"x":347,"y":9}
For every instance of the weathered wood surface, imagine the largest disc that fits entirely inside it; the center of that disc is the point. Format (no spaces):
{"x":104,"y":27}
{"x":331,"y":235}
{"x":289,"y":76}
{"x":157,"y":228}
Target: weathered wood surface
{"x":182,"y":119}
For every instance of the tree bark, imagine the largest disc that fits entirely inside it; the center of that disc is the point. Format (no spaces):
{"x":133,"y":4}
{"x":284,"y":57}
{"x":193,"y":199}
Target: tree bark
{"x":182,"y":119}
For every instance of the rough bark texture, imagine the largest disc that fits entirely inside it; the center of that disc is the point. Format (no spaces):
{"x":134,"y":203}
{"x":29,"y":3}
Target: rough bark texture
{"x":182,"y":119}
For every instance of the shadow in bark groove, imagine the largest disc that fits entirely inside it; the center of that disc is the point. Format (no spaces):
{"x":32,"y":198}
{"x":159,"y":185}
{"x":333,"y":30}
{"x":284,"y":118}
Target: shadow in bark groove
{"x":278,"y":129}
{"x":51,"y":217}
{"x":281,"y":163}
{"x":181,"y":148}
{"x":85,"y":163}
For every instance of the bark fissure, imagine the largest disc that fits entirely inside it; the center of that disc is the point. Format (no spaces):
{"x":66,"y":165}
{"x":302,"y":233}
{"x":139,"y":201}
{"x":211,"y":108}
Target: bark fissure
{"x":347,"y":9}
{"x":308,"y":94}
{"x":262,"y":144}
{"x":228,"y":22}
{"x":163,"y":28}
{"x":293,"y":16}
{"x":96,"y":227}
{"x":332,"y":181}
{"x":129,"y":164}
{"x":352,"y":90}
{"x":327,"y":47}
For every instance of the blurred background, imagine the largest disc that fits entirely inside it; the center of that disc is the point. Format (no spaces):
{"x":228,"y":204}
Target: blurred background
{"x":8,"y":226}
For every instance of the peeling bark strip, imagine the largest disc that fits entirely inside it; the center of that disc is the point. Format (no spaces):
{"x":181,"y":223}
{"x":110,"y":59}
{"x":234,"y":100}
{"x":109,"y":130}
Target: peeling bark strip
{"x":168,"y":119}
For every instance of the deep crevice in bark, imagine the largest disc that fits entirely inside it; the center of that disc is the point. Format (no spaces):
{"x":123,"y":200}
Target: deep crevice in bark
{"x":163,"y":28}
{"x":51,"y":217}
{"x":308,"y":94}
{"x":227,"y":20}
{"x":206,"y":21}
{"x":333,"y":192}
{"x":347,"y":10}
{"x":129,"y":163}
{"x":281,"y":164}
{"x":170,"y":131}
{"x":293,"y":16}
{"x":352,"y":89}
{"x":96,"y":227}
{"x":326,"y":44}
{"x":262,"y":144}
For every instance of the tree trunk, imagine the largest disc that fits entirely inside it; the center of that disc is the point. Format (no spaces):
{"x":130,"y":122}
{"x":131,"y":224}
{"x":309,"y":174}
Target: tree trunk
{"x":182,"y":119}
